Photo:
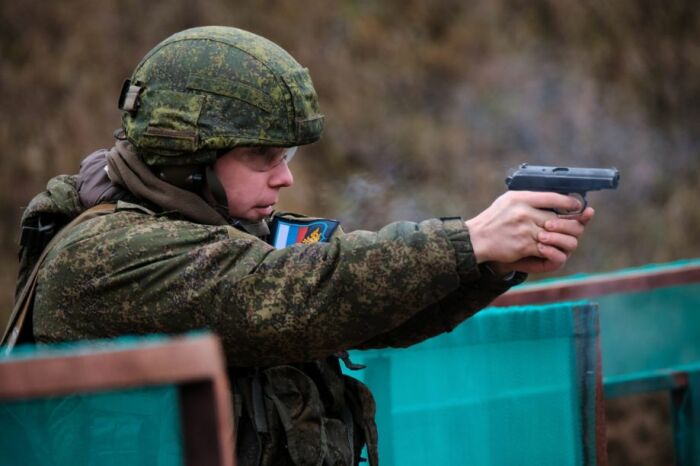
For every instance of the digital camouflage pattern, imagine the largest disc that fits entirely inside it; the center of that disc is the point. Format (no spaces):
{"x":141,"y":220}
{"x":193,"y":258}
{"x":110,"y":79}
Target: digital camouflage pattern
{"x":281,"y":314}
{"x":216,"y":87}
{"x":134,"y":271}
{"x":59,"y":204}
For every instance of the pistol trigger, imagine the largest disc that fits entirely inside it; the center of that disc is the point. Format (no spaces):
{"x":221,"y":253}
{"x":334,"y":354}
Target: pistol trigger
{"x":575,"y":213}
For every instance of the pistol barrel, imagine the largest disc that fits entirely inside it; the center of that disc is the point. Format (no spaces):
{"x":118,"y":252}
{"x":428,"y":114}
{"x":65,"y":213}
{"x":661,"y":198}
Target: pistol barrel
{"x":562,"y":179}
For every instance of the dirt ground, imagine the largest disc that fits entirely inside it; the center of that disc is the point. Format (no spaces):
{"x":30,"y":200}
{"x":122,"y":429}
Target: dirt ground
{"x":639,"y":430}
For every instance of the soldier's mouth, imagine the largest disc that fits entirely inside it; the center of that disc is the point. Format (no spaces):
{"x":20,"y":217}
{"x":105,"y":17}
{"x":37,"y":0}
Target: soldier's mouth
{"x":266,"y":209}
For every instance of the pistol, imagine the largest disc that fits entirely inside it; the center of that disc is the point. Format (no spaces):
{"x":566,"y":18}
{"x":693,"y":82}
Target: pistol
{"x":564,"y":180}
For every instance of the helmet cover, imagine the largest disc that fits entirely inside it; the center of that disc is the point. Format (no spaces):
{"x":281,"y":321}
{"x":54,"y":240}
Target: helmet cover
{"x":211,"y":88}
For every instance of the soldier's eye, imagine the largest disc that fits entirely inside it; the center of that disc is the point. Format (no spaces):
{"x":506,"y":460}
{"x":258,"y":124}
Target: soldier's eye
{"x":266,"y":158}
{"x":277,"y":155}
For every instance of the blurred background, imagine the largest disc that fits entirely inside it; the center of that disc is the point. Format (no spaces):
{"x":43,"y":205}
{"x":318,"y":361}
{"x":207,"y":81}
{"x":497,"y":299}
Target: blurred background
{"x":428,"y":106}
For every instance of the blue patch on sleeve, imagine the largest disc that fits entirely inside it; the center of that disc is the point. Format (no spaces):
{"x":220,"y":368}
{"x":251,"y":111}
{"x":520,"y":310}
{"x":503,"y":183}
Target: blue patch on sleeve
{"x":285,"y":232}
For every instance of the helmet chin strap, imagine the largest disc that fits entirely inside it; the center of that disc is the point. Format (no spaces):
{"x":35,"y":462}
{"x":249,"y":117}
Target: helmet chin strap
{"x":189,"y":177}
{"x":256,"y":228}
{"x":215,"y":187}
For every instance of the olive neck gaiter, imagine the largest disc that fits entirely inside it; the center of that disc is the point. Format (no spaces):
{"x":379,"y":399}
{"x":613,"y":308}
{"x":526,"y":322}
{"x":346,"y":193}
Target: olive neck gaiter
{"x":126,"y":169}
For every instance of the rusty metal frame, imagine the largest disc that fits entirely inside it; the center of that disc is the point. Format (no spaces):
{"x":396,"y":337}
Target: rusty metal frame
{"x":589,"y":379}
{"x":194,"y":364}
{"x":599,"y":285}
{"x":685,"y":402}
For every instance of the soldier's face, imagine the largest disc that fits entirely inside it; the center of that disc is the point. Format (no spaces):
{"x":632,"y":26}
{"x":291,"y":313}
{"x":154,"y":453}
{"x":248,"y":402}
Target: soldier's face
{"x":252,"y":178}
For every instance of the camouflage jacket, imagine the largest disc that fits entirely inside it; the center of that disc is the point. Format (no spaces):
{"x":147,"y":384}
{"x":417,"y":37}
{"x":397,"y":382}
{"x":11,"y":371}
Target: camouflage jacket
{"x":281,"y":313}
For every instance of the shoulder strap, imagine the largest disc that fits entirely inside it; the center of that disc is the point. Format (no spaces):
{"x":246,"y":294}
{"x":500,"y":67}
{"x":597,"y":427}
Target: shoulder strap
{"x":19,"y":326}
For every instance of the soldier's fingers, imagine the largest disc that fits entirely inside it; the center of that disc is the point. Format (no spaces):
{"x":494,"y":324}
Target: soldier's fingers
{"x":570,"y":226}
{"x":586,"y":215}
{"x":565,"y":243}
{"x":554,"y":258}
{"x":539,"y":265}
{"x":536,"y":219}
{"x":542,"y":200}
{"x":564,"y":226}
{"x":528,"y":265}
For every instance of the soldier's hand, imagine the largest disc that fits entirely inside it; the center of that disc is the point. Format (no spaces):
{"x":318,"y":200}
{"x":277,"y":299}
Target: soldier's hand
{"x":518,"y":232}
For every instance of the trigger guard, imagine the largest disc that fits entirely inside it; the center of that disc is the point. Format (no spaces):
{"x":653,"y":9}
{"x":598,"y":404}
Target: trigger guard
{"x":575,"y":213}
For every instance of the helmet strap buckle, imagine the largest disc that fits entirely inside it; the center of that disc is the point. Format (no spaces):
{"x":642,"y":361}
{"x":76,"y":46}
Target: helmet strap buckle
{"x":129,"y":96}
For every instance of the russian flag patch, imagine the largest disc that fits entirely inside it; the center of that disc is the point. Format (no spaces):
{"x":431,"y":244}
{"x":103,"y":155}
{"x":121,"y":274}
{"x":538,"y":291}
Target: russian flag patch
{"x":286,"y":232}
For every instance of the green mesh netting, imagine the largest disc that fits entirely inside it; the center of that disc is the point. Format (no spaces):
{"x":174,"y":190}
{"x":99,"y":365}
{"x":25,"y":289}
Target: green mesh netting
{"x":511,"y":386}
{"x":650,"y":330}
{"x":130,"y":427}
{"x":645,"y":331}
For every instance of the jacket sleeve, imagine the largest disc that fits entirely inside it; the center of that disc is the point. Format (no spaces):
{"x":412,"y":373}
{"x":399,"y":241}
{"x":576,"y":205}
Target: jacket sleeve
{"x":135,"y":273}
{"x":446,"y":314}
{"x":478,"y":287}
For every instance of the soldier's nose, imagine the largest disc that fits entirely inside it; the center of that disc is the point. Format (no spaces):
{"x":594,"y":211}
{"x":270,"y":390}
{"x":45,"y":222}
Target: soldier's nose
{"x":281,"y":176}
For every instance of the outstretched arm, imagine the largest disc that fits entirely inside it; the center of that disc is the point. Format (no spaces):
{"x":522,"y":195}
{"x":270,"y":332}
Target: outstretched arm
{"x":512,"y":236}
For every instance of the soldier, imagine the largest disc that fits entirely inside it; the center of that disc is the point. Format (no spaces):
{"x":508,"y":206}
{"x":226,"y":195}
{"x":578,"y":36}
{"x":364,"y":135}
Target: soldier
{"x":187,"y":237}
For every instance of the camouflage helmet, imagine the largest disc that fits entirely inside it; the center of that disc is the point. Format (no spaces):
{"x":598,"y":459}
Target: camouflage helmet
{"x":211,"y":88}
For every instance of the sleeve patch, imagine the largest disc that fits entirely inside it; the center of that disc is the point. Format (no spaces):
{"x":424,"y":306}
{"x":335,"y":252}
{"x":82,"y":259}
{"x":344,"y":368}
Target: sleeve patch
{"x":286,"y":232}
